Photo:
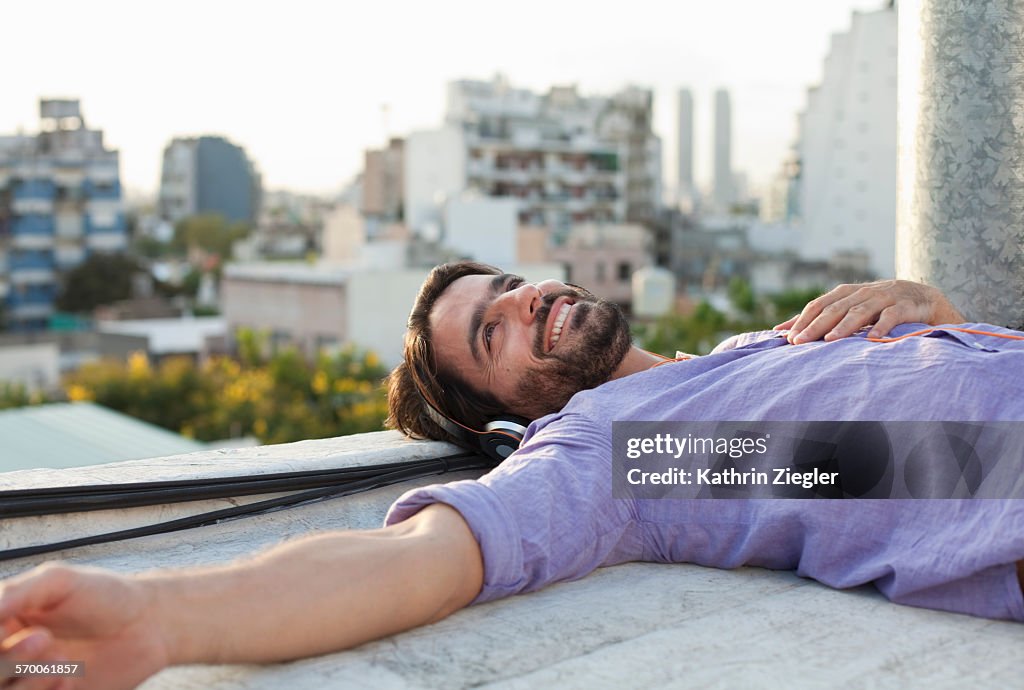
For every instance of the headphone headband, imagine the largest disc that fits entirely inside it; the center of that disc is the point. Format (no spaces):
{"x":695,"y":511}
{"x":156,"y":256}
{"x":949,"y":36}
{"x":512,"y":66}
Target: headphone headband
{"x":499,"y":440}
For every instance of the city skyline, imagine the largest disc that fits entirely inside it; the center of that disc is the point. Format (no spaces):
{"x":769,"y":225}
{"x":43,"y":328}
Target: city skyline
{"x":305,"y":91}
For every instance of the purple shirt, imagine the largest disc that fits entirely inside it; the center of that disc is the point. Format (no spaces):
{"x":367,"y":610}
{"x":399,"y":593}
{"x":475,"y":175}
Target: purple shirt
{"x":547,"y":514}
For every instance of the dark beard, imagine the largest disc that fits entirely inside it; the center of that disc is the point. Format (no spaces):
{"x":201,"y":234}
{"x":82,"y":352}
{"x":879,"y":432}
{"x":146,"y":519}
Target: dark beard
{"x":602,"y":342}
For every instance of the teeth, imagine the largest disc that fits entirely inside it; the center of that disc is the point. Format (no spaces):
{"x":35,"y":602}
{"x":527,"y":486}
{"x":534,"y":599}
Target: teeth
{"x":556,"y":329}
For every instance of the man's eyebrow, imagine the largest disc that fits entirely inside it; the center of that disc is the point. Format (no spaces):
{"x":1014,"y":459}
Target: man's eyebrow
{"x":477,"y":319}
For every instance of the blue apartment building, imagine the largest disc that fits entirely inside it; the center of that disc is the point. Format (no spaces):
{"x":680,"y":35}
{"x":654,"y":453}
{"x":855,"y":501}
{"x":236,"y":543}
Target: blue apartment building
{"x":60,"y":201}
{"x":208,"y":174}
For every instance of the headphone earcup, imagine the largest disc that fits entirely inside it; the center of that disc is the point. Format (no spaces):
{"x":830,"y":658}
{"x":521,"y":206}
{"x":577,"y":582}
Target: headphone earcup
{"x":503,"y":436}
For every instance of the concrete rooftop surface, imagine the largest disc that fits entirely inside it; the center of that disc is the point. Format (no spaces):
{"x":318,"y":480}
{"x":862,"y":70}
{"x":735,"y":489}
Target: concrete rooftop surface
{"x":630,"y":626}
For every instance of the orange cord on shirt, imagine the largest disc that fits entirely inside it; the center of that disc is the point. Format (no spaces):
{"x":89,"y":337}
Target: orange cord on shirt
{"x":667,"y":360}
{"x":974,"y":331}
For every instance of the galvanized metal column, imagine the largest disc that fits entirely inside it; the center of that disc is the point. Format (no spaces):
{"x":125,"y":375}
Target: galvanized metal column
{"x":960,"y":213}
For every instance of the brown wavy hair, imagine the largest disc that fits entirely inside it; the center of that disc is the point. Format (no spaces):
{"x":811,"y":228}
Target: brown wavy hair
{"x":420,"y":376}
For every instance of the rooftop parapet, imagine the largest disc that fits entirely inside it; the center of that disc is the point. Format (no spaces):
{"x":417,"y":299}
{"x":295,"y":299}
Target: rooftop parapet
{"x":635,"y":625}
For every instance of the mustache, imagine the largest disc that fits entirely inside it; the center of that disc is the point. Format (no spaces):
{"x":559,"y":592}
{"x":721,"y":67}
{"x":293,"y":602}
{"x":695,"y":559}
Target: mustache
{"x":578,"y":294}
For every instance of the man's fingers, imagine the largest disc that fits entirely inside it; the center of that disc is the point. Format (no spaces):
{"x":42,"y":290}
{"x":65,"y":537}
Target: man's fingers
{"x":857,"y":316}
{"x":827,"y":321}
{"x":37,"y":589}
{"x":787,"y":324}
{"x":805,"y":319}
{"x":24,"y":646}
{"x":887,"y":320}
{"x":10,"y":626}
{"x":827,"y":306}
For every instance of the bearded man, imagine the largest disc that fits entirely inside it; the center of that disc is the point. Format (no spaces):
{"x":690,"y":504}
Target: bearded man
{"x":483,"y":345}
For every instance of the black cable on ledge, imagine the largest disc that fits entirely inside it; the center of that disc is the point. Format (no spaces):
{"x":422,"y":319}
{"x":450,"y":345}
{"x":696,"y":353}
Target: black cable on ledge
{"x":72,"y":499}
{"x":356,"y":480}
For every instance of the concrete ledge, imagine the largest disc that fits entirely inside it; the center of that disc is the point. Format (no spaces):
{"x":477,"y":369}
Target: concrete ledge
{"x":636,"y":625}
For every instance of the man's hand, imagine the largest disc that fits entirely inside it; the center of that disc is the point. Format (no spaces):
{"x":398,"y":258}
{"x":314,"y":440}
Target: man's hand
{"x":59,"y":614}
{"x":884,"y":303}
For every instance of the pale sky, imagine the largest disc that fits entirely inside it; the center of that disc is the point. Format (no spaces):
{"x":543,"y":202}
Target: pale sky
{"x":304,"y":85}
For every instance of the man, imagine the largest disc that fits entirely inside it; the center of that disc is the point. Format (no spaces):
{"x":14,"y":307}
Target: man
{"x":482,"y":344}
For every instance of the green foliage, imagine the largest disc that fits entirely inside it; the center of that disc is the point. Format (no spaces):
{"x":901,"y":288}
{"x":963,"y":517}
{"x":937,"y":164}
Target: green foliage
{"x":15,"y":395}
{"x":209,"y":232}
{"x":791,"y":303}
{"x":742,"y":295}
{"x":150,"y":247}
{"x":699,"y":332}
{"x":278,"y":399}
{"x":190,"y":283}
{"x":100,"y":279}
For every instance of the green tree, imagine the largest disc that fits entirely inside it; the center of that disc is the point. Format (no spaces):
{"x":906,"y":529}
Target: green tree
{"x":742,"y":295}
{"x":210,"y":232}
{"x":696,"y":333}
{"x":792,"y":302}
{"x":14,"y":395}
{"x":100,"y":279}
{"x":277,"y":399}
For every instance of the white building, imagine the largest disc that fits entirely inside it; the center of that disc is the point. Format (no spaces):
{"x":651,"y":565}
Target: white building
{"x":847,"y":146}
{"x":724,"y":192}
{"x":178,"y":180}
{"x":685,"y":187}
{"x":483,"y":228}
{"x":562,"y":157}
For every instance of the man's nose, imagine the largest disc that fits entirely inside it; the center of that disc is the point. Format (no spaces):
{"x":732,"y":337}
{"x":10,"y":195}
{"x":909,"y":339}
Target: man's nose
{"x":550,"y":285}
{"x":524,"y":301}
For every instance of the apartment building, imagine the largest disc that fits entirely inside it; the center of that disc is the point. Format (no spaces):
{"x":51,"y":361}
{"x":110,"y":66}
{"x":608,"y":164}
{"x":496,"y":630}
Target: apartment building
{"x":60,"y":200}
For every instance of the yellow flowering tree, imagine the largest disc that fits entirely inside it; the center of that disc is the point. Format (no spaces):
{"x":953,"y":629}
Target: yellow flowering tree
{"x":277,"y":398}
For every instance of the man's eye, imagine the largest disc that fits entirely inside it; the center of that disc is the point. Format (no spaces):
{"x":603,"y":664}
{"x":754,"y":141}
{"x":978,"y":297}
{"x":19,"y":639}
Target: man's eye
{"x":513,"y":284}
{"x":488,"y":332}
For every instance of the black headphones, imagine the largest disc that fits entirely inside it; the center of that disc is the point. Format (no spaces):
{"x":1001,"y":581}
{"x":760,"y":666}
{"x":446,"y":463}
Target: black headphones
{"x":500,"y":438}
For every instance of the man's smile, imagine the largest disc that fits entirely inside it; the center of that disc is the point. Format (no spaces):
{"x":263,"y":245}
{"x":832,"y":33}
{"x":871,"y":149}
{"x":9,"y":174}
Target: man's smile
{"x":557,"y":322}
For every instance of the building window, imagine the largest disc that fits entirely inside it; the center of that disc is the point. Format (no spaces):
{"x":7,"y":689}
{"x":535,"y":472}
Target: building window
{"x":625,"y":271}
{"x":327,"y":344}
{"x":279,"y":340}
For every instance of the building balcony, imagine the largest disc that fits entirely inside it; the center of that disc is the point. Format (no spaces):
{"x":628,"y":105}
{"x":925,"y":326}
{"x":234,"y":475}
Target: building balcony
{"x":68,"y":256}
{"x":102,"y":191}
{"x":24,"y":206}
{"x":103,"y":175}
{"x":32,"y":241}
{"x":72,"y":178}
{"x":32,"y":226}
{"x":35,"y":188}
{"x":103,"y":215}
{"x":32,"y":168}
{"x":31,"y":276}
{"x":107,"y":241}
{"x":634,"y":615}
{"x":34,"y":296}
{"x":25,"y":312}
{"x":69,"y":226}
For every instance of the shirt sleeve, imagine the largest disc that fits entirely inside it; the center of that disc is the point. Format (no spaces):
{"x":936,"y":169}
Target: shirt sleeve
{"x":544,"y":515}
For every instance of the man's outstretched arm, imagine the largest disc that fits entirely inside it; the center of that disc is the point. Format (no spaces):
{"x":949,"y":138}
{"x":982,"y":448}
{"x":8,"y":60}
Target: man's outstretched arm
{"x":314,"y":595}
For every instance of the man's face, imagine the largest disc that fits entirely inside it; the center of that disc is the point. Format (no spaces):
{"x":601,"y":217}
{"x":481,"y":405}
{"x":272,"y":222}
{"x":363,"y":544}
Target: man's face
{"x":531,"y":345}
